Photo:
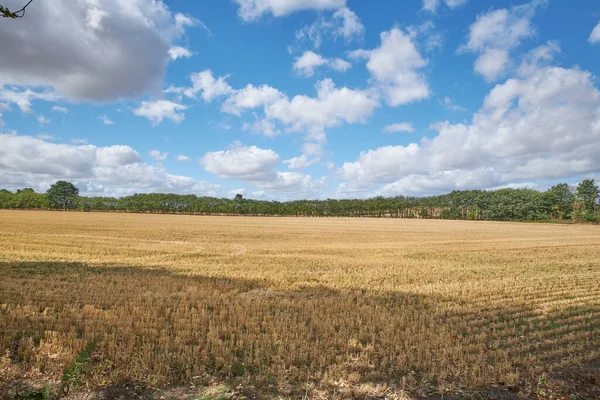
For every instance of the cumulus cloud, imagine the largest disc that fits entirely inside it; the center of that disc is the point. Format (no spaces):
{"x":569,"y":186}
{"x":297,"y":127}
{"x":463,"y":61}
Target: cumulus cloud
{"x":253,"y":9}
{"x":395,"y":68}
{"x":399,"y":127}
{"x":90,"y":49}
{"x":595,"y":35}
{"x":331,"y":107}
{"x":158,"y":110}
{"x":310,"y":115}
{"x":176,"y":52}
{"x":26,"y":161}
{"x":311,"y":154}
{"x":306,"y":64}
{"x":433,"y":5}
{"x":258,"y":167}
{"x":157,"y":155}
{"x":205,"y":84}
{"x":494,"y":34}
{"x":248,"y":163}
{"x":295,"y":184}
{"x":543,"y":124}
{"x":250,"y":97}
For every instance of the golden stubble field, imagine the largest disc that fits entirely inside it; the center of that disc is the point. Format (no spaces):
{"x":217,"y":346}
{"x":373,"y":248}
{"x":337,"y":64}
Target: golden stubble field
{"x":292,"y":307}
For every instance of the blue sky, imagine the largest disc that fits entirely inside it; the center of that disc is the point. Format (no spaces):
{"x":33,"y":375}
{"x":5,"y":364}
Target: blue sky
{"x":285,"y":99}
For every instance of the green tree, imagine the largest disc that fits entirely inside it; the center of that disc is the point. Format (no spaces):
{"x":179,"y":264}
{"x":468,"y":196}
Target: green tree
{"x":239,"y":197}
{"x":6,"y":13}
{"x":560,"y":201}
{"x":587,"y":196}
{"x":63,"y":195}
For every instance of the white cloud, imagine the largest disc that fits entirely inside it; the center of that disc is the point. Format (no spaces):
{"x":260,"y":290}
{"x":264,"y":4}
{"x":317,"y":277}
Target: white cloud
{"x":157,"y":155}
{"x":595,"y":35}
{"x":297,"y":185}
{"x":105,"y":120}
{"x":240,"y":162}
{"x":262,"y":127}
{"x":42,"y":120}
{"x":306,"y":64}
{"x":254,"y":9}
{"x":23,"y":97}
{"x":257,"y":166}
{"x":62,"y":110}
{"x":311,"y":154}
{"x":25,"y":154}
{"x":349,"y":25}
{"x":300,"y":162}
{"x":310,"y":115}
{"x":432,"y":5}
{"x":182,"y":157}
{"x":399,"y":127}
{"x":427,"y":34}
{"x":304,"y":114}
{"x":394,"y":67}
{"x":492,"y":64}
{"x":91,"y":50}
{"x":343,"y":23}
{"x":331,"y":107}
{"x":250,"y":97}
{"x":176,"y":52}
{"x":539,"y":56}
{"x":115,"y":170}
{"x":494,"y":34}
{"x":205,"y":84}
{"x":544,"y":124}
{"x":157,"y":110}
{"x":340,"y":64}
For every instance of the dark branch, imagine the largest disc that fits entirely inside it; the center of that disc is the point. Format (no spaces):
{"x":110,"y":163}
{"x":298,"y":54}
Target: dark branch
{"x":6,"y":13}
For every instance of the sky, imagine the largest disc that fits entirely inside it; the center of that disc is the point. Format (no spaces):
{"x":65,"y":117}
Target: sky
{"x":292,"y":99}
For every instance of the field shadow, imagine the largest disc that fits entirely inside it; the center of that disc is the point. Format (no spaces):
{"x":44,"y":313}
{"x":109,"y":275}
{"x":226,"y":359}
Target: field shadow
{"x":162,"y":327}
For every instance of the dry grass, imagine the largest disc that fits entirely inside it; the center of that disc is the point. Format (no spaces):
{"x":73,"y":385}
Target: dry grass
{"x":321,"y":308}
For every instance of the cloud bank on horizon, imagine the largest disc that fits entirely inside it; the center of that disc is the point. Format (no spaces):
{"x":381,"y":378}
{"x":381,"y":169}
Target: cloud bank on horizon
{"x":288,"y":99}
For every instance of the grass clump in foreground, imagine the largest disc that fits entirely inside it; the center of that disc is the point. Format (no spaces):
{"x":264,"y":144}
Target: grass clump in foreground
{"x":379,"y":309}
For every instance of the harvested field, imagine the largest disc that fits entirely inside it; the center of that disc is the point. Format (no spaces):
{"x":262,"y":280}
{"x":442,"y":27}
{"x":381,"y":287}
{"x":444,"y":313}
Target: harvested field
{"x":293,"y":307}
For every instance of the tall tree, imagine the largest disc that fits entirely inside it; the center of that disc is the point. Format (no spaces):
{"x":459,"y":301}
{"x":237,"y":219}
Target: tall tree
{"x":63,"y":195}
{"x":587,"y":194}
{"x":560,"y":201}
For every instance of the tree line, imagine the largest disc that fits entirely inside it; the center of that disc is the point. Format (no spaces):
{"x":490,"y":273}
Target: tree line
{"x":560,"y":202}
